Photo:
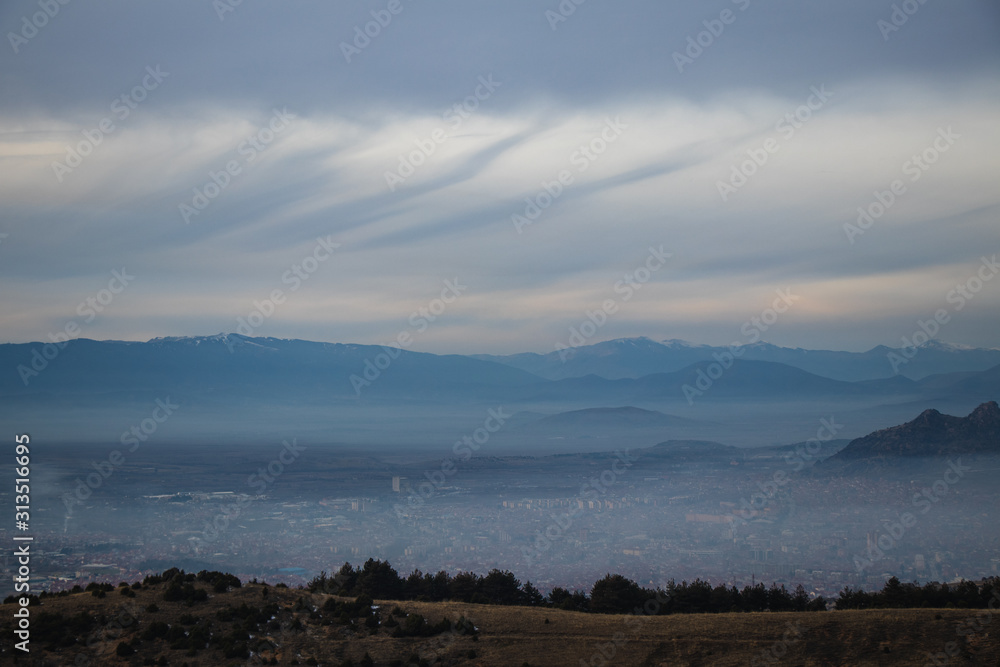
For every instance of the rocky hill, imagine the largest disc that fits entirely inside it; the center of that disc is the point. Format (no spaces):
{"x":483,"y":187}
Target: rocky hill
{"x":931,"y":434}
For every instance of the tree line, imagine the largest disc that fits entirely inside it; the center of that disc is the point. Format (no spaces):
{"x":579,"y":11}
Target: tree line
{"x":615,"y":594}
{"x":897,"y":595}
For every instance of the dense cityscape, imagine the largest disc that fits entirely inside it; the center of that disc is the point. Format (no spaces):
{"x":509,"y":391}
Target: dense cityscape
{"x":556,"y":521}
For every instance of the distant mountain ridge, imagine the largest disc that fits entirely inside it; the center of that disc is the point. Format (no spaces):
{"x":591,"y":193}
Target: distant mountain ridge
{"x":236,"y":365}
{"x":635,"y":357}
{"x":746,"y":379}
{"x":249,"y":366}
{"x":237,"y":387}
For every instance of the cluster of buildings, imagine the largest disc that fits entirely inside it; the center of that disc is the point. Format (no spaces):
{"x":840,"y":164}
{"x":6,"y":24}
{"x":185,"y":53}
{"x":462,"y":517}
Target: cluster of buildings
{"x":650,"y":529}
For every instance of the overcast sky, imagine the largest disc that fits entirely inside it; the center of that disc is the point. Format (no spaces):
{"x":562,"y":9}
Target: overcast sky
{"x":310,"y":114}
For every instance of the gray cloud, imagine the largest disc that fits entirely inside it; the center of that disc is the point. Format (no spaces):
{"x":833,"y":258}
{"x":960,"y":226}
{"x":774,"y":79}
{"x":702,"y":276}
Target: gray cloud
{"x":656,"y":185}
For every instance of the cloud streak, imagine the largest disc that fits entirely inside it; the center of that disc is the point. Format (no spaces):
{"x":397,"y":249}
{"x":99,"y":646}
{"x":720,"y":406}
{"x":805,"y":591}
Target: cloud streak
{"x":656,"y":185}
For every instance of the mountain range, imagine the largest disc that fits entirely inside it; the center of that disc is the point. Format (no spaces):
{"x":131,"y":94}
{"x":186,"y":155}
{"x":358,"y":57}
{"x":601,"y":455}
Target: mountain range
{"x":236,"y":365}
{"x":636,"y":357}
{"x":238,"y":387}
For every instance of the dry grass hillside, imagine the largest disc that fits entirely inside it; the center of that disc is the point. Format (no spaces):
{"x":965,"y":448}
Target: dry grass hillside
{"x":288,"y":627}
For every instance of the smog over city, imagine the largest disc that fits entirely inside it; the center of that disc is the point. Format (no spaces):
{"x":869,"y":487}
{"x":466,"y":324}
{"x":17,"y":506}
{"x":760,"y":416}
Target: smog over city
{"x":628,"y":310}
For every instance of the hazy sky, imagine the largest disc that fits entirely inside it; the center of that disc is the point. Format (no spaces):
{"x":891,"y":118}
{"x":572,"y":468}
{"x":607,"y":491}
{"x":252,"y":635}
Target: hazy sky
{"x":666,"y":98}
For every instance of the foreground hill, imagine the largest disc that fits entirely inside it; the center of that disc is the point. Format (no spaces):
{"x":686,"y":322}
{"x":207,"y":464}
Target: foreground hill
{"x":287,"y":627}
{"x":932,"y":434}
